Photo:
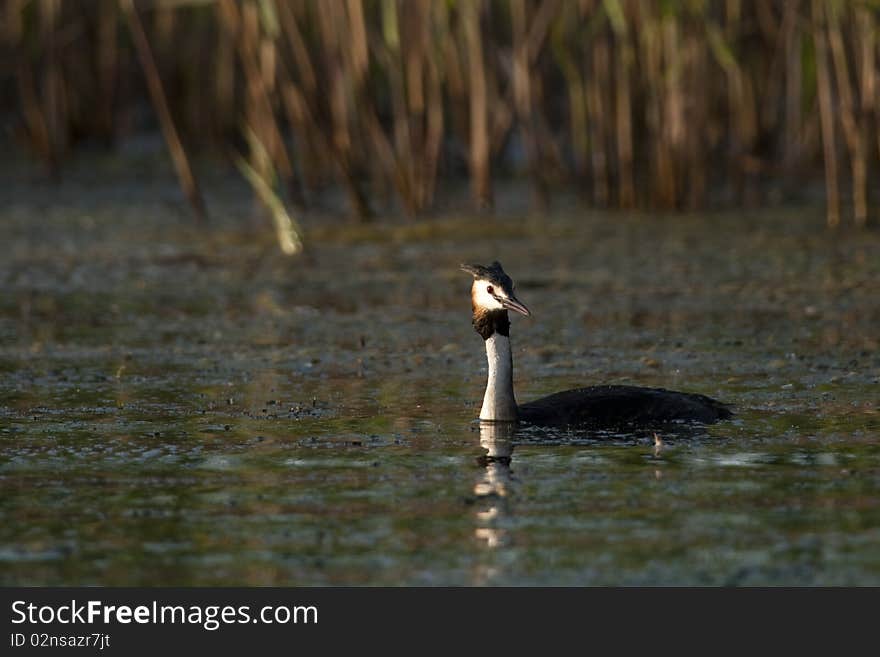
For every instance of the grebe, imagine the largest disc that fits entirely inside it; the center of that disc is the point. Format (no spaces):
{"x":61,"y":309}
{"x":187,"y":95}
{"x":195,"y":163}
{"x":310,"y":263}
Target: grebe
{"x":596,"y":407}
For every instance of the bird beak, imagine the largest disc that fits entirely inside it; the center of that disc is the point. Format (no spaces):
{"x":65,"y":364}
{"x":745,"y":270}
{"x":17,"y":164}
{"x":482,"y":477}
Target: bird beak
{"x":512,"y":303}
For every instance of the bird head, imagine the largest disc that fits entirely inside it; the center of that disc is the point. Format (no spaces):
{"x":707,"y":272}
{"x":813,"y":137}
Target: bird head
{"x":492,"y":289}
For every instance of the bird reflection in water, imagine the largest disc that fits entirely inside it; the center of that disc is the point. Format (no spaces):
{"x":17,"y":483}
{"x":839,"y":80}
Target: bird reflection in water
{"x":493,"y":486}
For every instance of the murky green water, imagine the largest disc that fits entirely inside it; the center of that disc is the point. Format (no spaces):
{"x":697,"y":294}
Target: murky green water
{"x":185,"y":408}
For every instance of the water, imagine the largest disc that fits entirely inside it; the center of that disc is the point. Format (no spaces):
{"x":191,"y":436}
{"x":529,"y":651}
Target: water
{"x":191,"y":408}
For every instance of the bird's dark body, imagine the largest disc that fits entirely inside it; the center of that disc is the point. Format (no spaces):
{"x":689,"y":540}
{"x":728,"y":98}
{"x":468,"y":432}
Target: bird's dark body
{"x":617,"y":406}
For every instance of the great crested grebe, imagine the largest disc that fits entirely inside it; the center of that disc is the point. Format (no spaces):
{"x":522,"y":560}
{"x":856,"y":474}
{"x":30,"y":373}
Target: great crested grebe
{"x":597,"y":407}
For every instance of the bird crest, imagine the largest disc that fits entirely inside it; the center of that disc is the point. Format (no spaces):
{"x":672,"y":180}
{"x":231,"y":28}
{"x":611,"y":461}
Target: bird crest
{"x":494,"y":274}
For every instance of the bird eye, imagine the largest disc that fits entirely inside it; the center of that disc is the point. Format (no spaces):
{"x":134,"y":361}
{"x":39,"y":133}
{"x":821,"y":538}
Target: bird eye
{"x":490,"y":289}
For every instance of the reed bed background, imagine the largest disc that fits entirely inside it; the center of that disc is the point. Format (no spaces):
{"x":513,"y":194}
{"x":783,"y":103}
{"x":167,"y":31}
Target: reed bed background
{"x":656,"y":105}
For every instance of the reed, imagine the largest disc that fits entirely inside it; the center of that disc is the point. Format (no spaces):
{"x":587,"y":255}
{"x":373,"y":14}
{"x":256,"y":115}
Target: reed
{"x":674,"y":105}
{"x":157,"y":95}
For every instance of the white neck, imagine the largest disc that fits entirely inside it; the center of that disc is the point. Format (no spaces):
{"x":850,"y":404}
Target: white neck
{"x":499,"y":403}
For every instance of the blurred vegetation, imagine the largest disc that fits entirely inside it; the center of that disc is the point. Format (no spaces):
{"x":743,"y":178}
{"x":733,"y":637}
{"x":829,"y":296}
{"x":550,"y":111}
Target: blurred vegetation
{"x":660,"y":105}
